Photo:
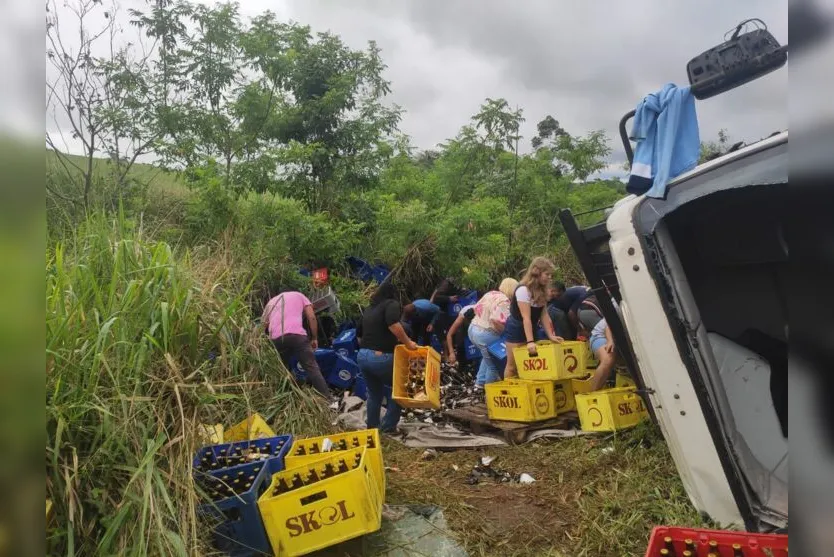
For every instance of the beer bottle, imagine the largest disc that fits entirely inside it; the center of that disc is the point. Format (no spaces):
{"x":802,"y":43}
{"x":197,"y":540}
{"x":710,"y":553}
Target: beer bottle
{"x":343,"y":466}
{"x":737,"y":551}
{"x":689,"y":544}
{"x":356,"y":442}
{"x":328,"y":471}
{"x":713,"y":546}
{"x":370,"y":442}
{"x":297,"y":481}
{"x":688,"y":553}
{"x":343,"y":444}
{"x":300,"y":451}
{"x":312,"y":477}
{"x":669,"y":545}
{"x":665,"y":552}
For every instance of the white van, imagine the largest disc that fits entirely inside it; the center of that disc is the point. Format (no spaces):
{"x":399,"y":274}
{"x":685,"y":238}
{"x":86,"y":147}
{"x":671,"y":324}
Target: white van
{"x":701,"y":281}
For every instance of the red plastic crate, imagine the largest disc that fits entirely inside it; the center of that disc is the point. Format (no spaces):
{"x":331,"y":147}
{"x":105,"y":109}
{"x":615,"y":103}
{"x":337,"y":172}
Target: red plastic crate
{"x":752,"y":545}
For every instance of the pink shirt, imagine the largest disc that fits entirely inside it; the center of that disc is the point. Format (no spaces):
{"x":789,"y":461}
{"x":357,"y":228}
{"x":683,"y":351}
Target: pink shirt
{"x":285,"y":314}
{"x":493,"y":306}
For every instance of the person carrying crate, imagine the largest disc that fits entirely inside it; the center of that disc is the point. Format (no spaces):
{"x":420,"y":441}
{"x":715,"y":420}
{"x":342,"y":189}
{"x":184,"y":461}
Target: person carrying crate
{"x":379,"y":332}
{"x":283,"y":318}
{"x":491,"y":313}
{"x":527,"y":309}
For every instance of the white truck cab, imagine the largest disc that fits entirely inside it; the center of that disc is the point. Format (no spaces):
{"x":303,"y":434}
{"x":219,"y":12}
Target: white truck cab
{"x":700,"y":278}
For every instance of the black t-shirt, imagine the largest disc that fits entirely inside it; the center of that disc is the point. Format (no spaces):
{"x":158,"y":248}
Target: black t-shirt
{"x":374,"y":326}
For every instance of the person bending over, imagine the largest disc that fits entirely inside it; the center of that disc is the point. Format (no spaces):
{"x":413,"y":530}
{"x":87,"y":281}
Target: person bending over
{"x":282,"y":318}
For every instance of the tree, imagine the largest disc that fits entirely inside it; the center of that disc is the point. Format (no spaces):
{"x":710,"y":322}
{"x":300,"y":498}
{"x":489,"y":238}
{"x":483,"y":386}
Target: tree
{"x":576,"y":156}
{"x":95,"y":100}
{"x":714,"y":149}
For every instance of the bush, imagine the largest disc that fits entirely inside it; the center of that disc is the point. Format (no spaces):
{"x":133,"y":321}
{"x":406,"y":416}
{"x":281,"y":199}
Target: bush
{"x":142,"y":346}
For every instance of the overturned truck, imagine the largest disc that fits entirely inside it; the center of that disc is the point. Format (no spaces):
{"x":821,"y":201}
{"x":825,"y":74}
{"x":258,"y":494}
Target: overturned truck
{"x":700,"y":278}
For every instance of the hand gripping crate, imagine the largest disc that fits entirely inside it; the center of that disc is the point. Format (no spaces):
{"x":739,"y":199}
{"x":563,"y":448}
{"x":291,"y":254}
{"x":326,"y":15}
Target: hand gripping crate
{"x":401,"y":389}
{"x":718,"y":542}
{"x":253,"y":427}
{"x":237,"y":528}
{"x":320,"y":504}
{"x":610,"y":409}
{"x":304,"y":451}
{"x":231,"y":455}
{"x":563,"y":360}
{"x":520,"y":400}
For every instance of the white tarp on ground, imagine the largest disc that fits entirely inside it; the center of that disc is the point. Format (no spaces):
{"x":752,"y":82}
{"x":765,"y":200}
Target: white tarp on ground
{"x":423,"y":435}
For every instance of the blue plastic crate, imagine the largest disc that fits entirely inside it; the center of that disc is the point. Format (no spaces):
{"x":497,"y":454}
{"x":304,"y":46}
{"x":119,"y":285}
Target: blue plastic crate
{"x":360,"y":388}
{"x":498,"y":349}
{"x":343,"y":373}
{"x":346,"y":344}
{"x":237,"y":526}
{"x":325,"y":357}
{"x":472,"y":352}
{"x":463,"y":301}
{"x":277,"y":448}
{"x":380,"y":273}
{"x":361,"y":268}
{"x":434,"y":342}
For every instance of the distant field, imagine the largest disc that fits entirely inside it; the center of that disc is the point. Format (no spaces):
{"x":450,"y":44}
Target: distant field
{"x":159,"y":180}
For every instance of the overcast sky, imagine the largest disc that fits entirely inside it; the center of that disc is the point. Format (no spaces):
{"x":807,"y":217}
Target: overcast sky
{"x":585,"y":63}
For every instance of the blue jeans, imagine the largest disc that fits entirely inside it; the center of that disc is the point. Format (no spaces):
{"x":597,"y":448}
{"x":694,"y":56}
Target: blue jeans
{"x":489,"y":370}
{"x":378,"y":371}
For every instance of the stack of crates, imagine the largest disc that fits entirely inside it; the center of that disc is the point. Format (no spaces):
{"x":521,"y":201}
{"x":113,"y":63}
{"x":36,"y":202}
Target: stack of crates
{"x":332,"y":490}
{"x":337,"y":370}
{"x":233,"y":476}
{"x":545,"y":387}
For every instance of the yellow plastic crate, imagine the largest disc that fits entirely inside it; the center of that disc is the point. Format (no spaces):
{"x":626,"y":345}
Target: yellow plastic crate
{"x":610,"y":409}
{"x":581,"y":385}
{"x":402,"y":356}
{"x":211,"y":434}
{"x":563,"y":395}
{"x":562,"y":360}
{"x":305,"y":451}
{"x":591,"y":361}
{"x":520,"y":400}
{"x":253,"y":427}
{"x":624,"y":379}
{"x":321,"y":512}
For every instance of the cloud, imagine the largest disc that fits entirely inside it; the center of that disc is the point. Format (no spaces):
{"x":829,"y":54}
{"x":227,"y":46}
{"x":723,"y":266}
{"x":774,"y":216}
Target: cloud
{"x":585,"y":63}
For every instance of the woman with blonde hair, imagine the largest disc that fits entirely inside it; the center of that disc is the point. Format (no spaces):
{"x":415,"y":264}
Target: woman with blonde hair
{"x":527,"y":309}
{"x":491,"y":312}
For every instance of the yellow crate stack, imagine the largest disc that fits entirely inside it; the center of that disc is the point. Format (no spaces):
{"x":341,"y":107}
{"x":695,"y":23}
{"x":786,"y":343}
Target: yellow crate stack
{"x":313,"y":506}
{"x":525,"y":400}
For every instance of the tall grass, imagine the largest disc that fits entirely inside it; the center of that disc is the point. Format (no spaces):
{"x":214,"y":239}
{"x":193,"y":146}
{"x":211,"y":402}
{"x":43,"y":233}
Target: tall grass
{"x":142,"y":346}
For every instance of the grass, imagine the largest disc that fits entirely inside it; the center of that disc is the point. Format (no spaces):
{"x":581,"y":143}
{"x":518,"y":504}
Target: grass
{"x":592,"y":496}
{"x":143,"y":346}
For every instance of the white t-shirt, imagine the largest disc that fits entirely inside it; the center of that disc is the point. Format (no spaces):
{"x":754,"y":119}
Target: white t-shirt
{"x":522,"y":294}
{"x":599,"y":329}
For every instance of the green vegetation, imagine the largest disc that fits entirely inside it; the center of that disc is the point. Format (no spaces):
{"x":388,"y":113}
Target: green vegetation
{"x":274,"y":148}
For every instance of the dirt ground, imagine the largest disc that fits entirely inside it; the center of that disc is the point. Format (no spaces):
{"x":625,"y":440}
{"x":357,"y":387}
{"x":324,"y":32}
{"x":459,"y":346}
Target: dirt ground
{"x":597,"y":496}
